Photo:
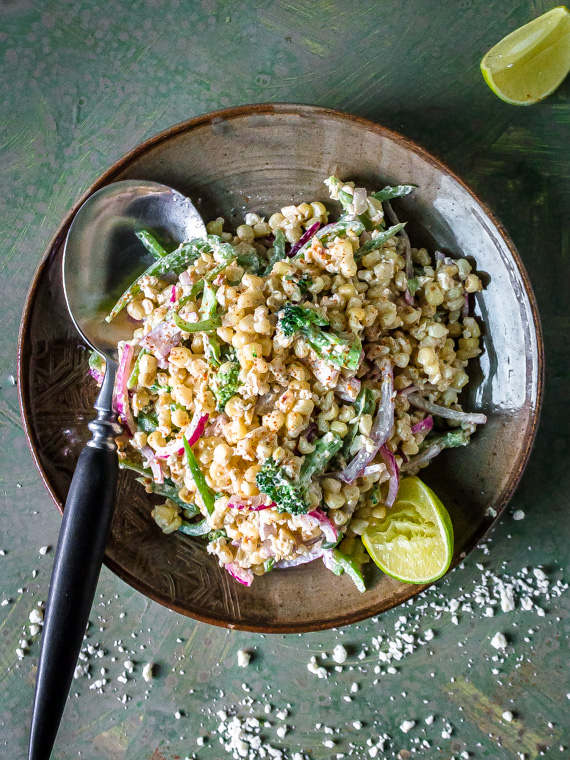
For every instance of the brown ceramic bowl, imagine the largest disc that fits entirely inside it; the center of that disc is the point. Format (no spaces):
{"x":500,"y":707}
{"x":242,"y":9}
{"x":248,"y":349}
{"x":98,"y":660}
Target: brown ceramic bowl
{"x":259,"y":158}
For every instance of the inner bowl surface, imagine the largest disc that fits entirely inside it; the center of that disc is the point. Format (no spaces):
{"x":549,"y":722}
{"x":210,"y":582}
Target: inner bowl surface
{"x":260,"y":158}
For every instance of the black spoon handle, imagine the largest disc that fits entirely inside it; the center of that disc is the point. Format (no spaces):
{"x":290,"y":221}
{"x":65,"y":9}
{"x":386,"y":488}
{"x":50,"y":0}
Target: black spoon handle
{"x":79,"y":555}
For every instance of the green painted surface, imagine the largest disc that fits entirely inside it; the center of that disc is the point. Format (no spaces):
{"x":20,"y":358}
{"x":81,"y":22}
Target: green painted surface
{"x":81,"y":84}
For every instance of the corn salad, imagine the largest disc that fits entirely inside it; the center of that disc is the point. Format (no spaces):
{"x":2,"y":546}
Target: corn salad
{"x":283,"y":378}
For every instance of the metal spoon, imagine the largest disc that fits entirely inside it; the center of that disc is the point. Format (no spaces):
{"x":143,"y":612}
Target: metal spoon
{"x":101,"y":257}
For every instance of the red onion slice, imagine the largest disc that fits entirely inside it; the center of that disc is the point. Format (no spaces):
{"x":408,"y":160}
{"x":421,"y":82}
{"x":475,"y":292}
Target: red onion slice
{"x":443,"y":411}
{"x":348,"y":389}
{"x":162,"y":339}
{"x":184,"y":278}
{"x":420,"y":459}
{"x":258,"y":508}
{"x":330,"y":531}
{"x":328,"y":560}
{"x":408,"y":390}
{"x":177,"y":446}
{"x":241,"y":575}
{"x":148,"y":456}
{"x":311,"y":432}
{"x":157,"y":473}
{"x":424,"y":426}
{"x":305,"y":237}
{"x":150,"y":460}
{"x":198,"y":429}
{"x":381,"y":428}
{"x":173,"y":294}
{"x":97,"y":375}
{"x":315,"y":553}
{"x":121,"y":401}
{"x":392,"y":467}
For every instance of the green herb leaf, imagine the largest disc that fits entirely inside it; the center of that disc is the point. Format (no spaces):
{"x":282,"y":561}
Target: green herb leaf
{"x":203,"y":488}
{"x":151,"y":244}
{"x":393,"y":192}
{"x":377,"y":242}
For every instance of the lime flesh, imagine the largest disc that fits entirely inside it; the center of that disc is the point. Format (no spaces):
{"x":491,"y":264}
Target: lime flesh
{"x":531,"y":62}
{"x":414,"y":542}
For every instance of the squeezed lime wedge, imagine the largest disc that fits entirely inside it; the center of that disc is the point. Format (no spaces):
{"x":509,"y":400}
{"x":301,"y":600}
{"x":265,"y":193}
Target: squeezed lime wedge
{"x":414,"y":542}
{"x":531,"y":62}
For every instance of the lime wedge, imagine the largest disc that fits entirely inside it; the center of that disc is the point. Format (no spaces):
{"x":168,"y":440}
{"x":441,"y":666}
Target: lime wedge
{"x":414,"y":542}
{"x":530,"y":63}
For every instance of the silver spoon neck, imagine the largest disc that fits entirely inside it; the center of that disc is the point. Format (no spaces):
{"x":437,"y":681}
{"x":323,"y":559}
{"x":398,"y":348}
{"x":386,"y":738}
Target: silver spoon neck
{"x":105,"y":427}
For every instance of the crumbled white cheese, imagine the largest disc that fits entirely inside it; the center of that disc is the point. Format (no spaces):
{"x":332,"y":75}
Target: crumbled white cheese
{"x":518,"y":515}
{"x":44,"y":550}
{"x":508,"y":716}
{"x":129,"y":666}
{"x":36,"y":616}
{"x":507,"y":599}
{"x":243,"y":658}
{"x":313,"y":667}
{"x":147,"y":673}
{"x":407,"y":725}
{"x":429,"y":720}
{"x":357,"y":724}
{"x":499,"y":641}
{"x":339,"y":654}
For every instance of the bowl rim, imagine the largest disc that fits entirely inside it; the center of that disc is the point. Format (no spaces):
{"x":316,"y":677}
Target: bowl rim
{"x":108,"y":176}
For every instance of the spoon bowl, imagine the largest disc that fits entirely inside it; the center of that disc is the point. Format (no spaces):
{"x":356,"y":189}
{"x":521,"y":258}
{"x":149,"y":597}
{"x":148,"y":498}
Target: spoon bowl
{"x":103,"y":256}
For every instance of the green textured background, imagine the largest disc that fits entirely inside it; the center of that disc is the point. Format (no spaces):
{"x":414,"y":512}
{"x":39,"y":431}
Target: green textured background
{"x":82,"y":83}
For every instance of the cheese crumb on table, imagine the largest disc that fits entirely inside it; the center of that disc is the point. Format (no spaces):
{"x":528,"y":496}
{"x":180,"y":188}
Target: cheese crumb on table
{"x":499,"y":641}
{"x":508,"y":716}
{"x":518,"y":515}
{"x":407,"y":725}
{"x":314,"y":667}
{"x":339,"y":654}
{"x":36,"y":616}
{"x":147,"y":673}
{"x":243,"y":658}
